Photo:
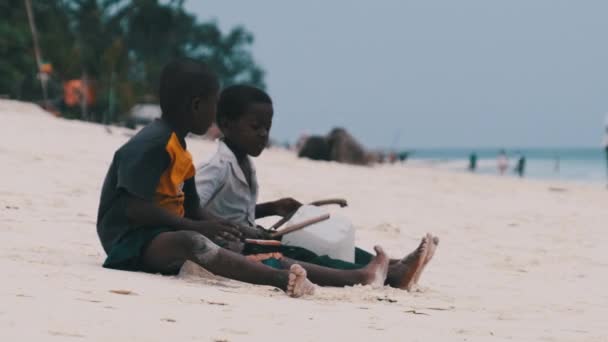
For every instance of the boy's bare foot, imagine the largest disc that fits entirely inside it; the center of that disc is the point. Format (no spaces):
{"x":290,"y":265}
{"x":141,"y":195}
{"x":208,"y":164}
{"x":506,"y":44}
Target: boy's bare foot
{"x":375,"y":272}
{"x":434,"y":242}
{"x":298,"y":284}
{"x":401,"y":274}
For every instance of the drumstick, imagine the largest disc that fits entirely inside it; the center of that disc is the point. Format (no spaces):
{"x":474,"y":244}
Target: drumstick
{"x":299,"y":226}
{"x":282,"y":221}
{"x":263,"y":242}
{"x":339,"y":201}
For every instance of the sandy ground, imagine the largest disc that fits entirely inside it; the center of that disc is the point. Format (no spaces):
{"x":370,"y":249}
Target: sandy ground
{"x":518,"y":260}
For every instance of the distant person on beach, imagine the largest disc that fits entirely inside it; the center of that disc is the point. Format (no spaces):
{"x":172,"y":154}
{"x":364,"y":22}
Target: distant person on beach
{"x":473,"y":162}
{"x":228,"y":190}
{"x":502,"y":162}
{"x":520,"y":167}
{"x":149,"y":218}
{"x":606,"y":146}
{"x":392,"y":158}
{"x":403,"y":156}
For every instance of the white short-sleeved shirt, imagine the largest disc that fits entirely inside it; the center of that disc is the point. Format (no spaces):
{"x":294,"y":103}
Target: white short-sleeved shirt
{"x":223,"y":188}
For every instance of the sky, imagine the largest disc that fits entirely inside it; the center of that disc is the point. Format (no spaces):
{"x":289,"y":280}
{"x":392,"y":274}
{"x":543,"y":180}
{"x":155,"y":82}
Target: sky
{"x":428,"y":73}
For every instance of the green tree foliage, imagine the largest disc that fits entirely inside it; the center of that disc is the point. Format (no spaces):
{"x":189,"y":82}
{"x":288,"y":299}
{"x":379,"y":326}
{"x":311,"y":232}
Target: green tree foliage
{"x":119,"y":45}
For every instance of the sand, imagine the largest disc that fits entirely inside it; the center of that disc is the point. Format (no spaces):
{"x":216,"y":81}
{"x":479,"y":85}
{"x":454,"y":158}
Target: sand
{"x":519,"y":260}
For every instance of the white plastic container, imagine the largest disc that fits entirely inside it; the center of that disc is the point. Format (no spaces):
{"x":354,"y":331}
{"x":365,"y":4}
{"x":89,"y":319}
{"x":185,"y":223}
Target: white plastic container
{"x":334,"y":237}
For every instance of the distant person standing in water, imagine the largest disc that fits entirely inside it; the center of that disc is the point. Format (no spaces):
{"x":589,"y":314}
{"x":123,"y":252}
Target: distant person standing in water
{"x":502,"y":162}
{"x":473,"y":162}
{"x":606,"y":146}
{"x":520,"y":168}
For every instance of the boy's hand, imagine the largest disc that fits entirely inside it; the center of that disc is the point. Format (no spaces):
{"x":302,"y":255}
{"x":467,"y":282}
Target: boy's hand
{"x":235,"y":246}
{"x":218,"y":230}
{"x":286,"y":206}
{"x":255,"y":233}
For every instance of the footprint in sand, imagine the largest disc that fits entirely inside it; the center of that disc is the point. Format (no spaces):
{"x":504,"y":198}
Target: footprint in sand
{"x":388,"y":229}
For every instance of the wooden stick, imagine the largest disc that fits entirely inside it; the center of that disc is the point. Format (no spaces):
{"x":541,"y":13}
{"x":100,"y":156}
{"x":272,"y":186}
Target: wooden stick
{"x":339,"y":201}
{"x":263,"y":242}
{"x":299,"y":226}
{"x":282,"y":221}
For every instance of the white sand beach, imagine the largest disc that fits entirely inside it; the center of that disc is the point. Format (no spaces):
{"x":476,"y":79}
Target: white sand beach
{"x":519,"y":260}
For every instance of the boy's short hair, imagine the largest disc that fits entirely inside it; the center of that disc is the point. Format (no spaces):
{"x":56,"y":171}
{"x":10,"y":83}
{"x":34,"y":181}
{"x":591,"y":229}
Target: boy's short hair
{"x":180,"y":81}
{"x":234,"y":100}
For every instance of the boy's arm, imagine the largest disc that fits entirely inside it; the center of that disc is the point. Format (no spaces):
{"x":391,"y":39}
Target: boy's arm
{"x":264,"y":210}
{"x":192,"y":201}
{"x":281,"y":207}
{"x":139,"y":172}
{"x":146,"y":213}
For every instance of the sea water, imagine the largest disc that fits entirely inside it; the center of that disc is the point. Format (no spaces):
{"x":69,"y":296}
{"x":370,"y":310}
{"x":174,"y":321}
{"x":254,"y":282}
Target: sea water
{"x":574,"y":164}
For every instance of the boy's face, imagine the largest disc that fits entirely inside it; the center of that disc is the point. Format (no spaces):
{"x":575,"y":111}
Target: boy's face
{"x":203,"y":113}
{"x":250,"y":132}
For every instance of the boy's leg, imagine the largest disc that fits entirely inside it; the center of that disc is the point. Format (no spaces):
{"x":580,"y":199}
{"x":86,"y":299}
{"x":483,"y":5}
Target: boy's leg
{"x":372,"y":274}
{"x":337,"y":264}
{"x":363,"y":257}
{"x":304,"y":255}
{"x":167,"y":252}
{"x":402,"y":273}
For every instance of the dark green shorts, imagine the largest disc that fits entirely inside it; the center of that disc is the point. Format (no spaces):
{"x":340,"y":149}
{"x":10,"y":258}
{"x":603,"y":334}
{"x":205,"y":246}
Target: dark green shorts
{"x":126,"y":254}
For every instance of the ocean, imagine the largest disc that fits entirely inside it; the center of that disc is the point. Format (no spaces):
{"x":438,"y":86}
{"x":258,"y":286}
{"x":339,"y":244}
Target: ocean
{"x":571,"y":164}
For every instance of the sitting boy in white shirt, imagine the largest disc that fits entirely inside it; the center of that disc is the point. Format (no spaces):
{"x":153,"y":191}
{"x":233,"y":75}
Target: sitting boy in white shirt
{"x":227,"y":187}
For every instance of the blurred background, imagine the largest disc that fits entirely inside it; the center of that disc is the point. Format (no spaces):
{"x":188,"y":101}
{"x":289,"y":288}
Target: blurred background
{"x":439,"y":82}
{"x":98,"y":59}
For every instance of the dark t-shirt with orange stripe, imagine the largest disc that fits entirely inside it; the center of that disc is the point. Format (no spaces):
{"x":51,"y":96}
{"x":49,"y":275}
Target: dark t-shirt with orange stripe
{"x":154,"y":165}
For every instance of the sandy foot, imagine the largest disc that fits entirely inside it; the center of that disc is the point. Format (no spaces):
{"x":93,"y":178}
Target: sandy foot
{"x":376,"y":271}
{"x":434,"y":242}
{"x":299,"y":285}
{"x":401,"y":274}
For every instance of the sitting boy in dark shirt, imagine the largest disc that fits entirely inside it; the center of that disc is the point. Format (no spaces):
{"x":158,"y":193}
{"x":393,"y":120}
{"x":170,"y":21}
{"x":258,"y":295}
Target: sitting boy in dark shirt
{"x":149,"y":218}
